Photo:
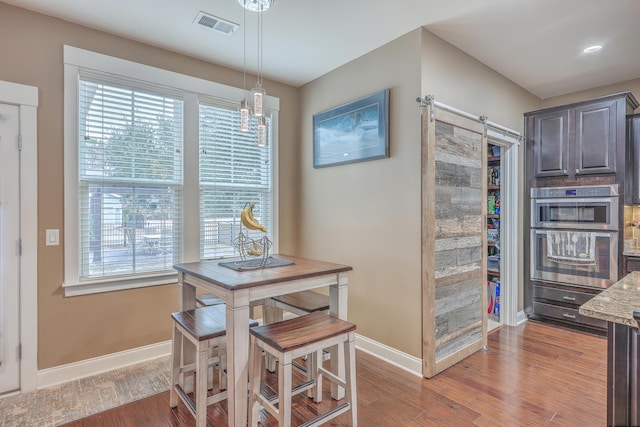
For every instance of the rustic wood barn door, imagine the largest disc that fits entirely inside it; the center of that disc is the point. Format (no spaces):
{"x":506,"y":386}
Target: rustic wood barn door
{"x":454,"y":286}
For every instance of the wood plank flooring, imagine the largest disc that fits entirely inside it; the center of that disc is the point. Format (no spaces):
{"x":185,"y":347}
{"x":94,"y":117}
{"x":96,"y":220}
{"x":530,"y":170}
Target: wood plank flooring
{"x":532,"y":375}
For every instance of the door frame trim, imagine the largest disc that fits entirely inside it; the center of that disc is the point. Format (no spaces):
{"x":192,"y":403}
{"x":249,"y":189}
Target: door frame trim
{"x":26,"y":97}
{"x":509,"y":226}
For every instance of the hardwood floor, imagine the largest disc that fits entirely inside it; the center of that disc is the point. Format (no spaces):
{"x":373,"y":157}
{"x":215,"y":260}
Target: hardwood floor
{"x":531,"y":375}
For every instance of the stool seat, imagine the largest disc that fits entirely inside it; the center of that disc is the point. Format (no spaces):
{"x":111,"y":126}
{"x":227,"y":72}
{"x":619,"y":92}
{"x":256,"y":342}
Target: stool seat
{"x":306,"y":301}
{"x":300,"y":331}
{"x":298,"y":303}
{"x":203,"y":323}
{"x":204,"y":300}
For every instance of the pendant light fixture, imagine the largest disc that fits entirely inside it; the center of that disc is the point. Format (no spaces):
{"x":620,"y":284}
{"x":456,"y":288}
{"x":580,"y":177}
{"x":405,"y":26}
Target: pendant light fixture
{"x":244,"y":116}
{"x":258,"y":93}
{"x":262,"y":132}
{"x":256,"y":5}
{"x":244,"y":104}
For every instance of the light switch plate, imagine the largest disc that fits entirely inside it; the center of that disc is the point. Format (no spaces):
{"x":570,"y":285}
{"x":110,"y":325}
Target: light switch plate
{"x":52,"y":237}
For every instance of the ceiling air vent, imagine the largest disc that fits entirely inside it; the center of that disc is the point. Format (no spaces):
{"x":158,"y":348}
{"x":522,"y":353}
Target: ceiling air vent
{"x":215,"y":23}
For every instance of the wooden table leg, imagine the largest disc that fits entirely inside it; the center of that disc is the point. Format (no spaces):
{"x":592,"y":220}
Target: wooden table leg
{"x":237,"y":359}
{"x":338,"y":307}
{"x":271,"y":314}
{"x":187,"y":295}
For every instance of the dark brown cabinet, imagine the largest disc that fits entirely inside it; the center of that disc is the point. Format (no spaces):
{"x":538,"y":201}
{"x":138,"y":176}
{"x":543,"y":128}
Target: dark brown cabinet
{"x":577,"y":140}
{"x":580,"y":144}
{"x":562,"y":304}
{"x":551,"y":143}
{"x":596,"y":137}
{"x":632,"y":196}
{"x":631,"y":263}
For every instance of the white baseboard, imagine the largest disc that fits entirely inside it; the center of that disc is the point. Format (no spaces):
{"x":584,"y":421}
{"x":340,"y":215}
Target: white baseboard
{"x":85,"y":368}
{"x":390,"y":355}
{"x":521,"y":317}
{"x":97,"y":365}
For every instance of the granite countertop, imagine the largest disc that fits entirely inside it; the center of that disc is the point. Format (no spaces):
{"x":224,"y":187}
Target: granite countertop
{"x":616,"y":303}
{"x":632,"y":252}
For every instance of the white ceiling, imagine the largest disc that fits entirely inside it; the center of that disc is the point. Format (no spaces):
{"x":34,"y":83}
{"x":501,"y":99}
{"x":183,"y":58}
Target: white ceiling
{"x":535,"y":43}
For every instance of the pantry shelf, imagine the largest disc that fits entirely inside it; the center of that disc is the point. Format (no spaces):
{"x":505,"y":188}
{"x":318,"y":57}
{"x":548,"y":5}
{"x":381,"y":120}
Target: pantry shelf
{"x":493,"y":230}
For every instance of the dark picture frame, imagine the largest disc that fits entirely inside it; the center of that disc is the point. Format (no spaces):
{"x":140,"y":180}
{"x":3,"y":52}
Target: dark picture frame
{"x":354,"y":132}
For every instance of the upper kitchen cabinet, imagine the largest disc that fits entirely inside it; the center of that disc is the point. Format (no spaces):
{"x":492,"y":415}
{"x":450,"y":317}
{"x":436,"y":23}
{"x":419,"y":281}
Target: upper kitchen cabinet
{"x":595,"y":137}
{"x":578,"y":139}
{"x":551,"y":142}
{"x":632,"y":196}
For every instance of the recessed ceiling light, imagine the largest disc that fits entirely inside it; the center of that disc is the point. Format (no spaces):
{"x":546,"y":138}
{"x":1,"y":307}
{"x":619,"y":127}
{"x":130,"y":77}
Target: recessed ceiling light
{"x":592,"y":49}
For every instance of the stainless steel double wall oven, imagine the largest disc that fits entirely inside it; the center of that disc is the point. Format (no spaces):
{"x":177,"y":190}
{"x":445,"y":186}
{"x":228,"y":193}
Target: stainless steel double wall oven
{"x":574,"y":235}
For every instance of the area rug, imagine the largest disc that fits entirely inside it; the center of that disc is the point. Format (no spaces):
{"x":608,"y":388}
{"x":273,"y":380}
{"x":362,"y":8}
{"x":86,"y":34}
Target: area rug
{"x":80,"y":398}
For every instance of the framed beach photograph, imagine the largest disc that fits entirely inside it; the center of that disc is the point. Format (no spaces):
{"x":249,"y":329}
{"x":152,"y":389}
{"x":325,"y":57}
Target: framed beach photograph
{"x":353,"y":132}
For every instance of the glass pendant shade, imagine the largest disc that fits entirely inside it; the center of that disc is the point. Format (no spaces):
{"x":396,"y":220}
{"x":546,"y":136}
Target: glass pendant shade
{"x":262,"y":132}
{"x":257,"y":92}
{"x":258,"y":96}
{"x":256,"y":5}
{"x":244,"y":116}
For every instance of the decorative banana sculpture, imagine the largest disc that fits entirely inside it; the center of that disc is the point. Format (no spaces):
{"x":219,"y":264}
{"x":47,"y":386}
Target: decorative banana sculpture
{"x":247,"y":219}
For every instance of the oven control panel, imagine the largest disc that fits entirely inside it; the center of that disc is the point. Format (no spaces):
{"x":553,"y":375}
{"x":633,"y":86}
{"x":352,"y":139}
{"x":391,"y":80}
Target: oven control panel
{"x":586,"y":191}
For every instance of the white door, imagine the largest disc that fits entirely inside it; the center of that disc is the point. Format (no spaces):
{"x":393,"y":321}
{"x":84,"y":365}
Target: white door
{"x":9,"y":247}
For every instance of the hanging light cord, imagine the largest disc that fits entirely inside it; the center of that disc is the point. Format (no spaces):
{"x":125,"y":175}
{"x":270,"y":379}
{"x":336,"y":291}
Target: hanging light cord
{"x":244,"y":50}
{"x":260,"y":44}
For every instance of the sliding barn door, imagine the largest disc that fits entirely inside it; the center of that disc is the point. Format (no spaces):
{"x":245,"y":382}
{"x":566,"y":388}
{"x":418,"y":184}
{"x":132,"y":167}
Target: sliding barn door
{"x":454,"y":285}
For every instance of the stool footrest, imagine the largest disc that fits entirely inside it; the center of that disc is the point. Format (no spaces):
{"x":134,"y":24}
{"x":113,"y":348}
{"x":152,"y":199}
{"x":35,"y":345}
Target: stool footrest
{"x":217,"y":397}
{"x":186,"y":399}
{"x":299,"y":367}
{"x":334,"y":412}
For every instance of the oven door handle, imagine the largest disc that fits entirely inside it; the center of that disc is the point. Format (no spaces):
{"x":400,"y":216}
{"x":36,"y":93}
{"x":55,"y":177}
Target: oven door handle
{"x":540,"y":231}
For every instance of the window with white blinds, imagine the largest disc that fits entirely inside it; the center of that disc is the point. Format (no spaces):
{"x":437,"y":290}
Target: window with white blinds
{"x":156,"y":172}
{"x":233,"y":173}
{"x":130,"y":178}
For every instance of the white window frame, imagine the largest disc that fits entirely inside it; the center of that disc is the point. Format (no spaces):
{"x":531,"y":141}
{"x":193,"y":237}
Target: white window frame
{"x":192,"y":87}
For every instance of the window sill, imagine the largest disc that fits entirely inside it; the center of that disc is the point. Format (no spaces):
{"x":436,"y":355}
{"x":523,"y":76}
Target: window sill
{"x":99,"y":286}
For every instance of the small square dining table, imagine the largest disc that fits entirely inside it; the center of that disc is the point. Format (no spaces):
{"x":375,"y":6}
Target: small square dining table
{"x":239,"y":289}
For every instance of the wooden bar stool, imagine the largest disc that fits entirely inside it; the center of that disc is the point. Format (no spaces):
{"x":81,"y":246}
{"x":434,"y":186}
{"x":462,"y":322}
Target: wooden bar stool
{"x":298,"y":303}
{"x":206,"y":300}
{"x":205,"y":328}
{"x":293,"y":338}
